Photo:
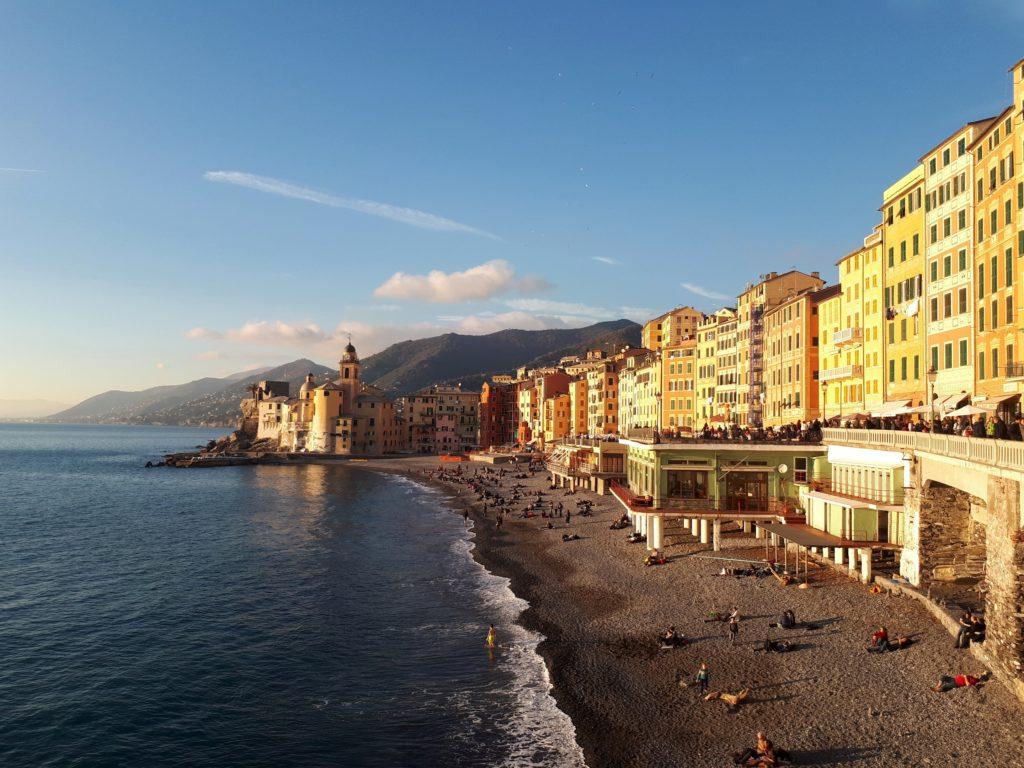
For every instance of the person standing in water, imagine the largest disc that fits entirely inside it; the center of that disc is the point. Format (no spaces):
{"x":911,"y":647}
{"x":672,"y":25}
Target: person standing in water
{"x":492,"y":637}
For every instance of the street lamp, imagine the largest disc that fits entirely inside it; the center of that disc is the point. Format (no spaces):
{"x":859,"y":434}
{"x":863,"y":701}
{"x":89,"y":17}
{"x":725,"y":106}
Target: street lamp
{"x":824,"y":398}
{"x":931,"y":375}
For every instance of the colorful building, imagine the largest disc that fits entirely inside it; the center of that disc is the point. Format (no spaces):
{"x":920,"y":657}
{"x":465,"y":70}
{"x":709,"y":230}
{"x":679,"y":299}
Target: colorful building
{"x":678,"y":375}
{"x":498,"y":413}
{"x":903,"y":243}
{"x":671,"y":328}
{"x":757,"y":299}
{"x":791,"y":357}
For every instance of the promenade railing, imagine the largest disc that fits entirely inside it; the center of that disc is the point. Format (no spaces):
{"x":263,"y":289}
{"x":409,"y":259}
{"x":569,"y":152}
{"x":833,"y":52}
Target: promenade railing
{"x":861,"y":491}
{"x":1004,"y":454}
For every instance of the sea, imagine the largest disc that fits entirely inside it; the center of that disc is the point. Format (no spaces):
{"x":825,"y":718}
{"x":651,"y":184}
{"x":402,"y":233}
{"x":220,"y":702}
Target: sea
{"x":250,"y":616}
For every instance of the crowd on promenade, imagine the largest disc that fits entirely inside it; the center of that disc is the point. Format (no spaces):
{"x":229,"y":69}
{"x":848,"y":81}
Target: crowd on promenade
{"x":799,"y":431}
{"x":983,"y":425}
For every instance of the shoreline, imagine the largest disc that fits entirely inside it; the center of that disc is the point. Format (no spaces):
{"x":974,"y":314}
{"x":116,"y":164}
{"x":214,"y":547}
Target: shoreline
{"x":828,"y":702}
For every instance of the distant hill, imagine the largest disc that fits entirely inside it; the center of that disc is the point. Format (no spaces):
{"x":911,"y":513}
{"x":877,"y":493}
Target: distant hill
{"x":403,"y":367}
{"x":203,"y":401}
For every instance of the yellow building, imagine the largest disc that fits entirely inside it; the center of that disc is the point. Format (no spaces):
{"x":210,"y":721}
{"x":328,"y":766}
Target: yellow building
{"x":578,"y":406}
{"x":997,"y":150}
{"x":903,"y":244}
{"x":678,"y":375}
{"x":949,"y":280}
{"x":766,"y":294}
{"x":639,"y":393}
{"x":726,"y":369}
{"x":602,"y":398}
{"x":791,"y":357}
{"x":671,"y":327}
{"x":706,"y":375}
{"x":850,"y":331}
{"x":557,"y":417}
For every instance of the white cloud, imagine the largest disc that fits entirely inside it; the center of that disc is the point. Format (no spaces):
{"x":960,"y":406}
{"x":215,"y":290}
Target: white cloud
{"x":21,"y":170}
{"x":606,"y":260}
{"x":202,"y":333}
{"x":278,"y":333}
{"x":484,"y":281}
{"x":409,"y":216}
{"x":211,"y":355}
{"x":705,"y":292}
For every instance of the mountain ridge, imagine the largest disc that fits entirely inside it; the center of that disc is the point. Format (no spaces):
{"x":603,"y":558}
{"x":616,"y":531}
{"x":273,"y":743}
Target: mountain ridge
{"x":403,"y":367}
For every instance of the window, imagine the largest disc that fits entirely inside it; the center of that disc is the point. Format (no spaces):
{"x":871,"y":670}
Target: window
{"x":981,"y":281}
{"x":903,"y":329}
{"x":947,"y":305}
{"x":995,"y":318}
{"x":995,"y":362}
{"x":933,"y":234}
{"x":947,"y":354}
{"x":935,"y":309}
{"x":892,"y":371}
{"x":981,"y":230}
{"x":903,"y":250}
{"x":961,"y":260}
{"x":947,"y":265}
{"x":981,"y":365}
{"x":1008,"y":267}
{"x":890,"y":257}
{"x":961,"y":147}
{"x":917,"y":245}
{"x":963,"y":351}
{"x":947,"y":223}
{"x":800,"y":469}
{"x":981,"y":320}
{"x":962,"y":301}
{"x":945,"y":156}
{"x":935,"y":271}
{"x":961,"y":219}
{"x":1007,"y":212}
{"x":903,"y":369}
{"x":1009,"y":310}
{"x":931,"y":165}
{"x":935,"y":358}
{"x":917,"y":367}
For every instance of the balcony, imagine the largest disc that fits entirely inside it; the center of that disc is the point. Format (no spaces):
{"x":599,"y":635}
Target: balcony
{"x":843,"y":372}
{"x":847,"y":336}
{"x":1014,"y":370}
{"x":858,"y":491}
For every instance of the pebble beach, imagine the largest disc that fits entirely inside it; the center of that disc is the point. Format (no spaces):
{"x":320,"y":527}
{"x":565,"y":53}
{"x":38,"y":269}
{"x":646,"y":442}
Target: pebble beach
{"x":828,"y":702}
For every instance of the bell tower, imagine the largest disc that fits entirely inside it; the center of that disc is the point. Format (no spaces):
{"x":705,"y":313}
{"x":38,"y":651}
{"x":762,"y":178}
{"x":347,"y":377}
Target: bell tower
{"x":348,"y":367}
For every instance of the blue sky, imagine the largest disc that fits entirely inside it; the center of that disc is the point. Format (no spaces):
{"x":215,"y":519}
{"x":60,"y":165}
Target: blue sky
{"x":200,"y":205}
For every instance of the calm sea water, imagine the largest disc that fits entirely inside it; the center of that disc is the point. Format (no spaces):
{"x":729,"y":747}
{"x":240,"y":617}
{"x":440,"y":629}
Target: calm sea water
{"x":249,"y":616}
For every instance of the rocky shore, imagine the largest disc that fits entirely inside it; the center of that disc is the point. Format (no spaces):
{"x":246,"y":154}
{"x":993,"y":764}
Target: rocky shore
{"x":828,"y":701}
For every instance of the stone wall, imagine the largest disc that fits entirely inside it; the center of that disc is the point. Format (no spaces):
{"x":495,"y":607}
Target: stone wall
{"x":1004,"y":600}
{"x":951,"y":541}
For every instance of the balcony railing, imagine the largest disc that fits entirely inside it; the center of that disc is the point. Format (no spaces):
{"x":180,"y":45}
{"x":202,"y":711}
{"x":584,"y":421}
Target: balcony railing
{"x":1003,"y":454}
{"x":858,"y":491}
{"x":844,"y":372}
{"x":846,"y":336}
{"x":1013,"y":370}
{"x":723,"y":506}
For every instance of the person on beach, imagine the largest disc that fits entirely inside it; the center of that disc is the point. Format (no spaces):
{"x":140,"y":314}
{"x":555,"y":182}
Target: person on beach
{"x":492,"y":637}
{"x":734,"y":626}
{"x":763,"y":755}
{"x":949,"y":683}
{"x":963,"y":635}
{"x":465,"y":516}
{"x":703,"y":677}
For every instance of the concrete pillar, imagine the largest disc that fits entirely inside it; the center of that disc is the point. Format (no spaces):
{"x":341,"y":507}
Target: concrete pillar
{"x":758,"y":532}
{"x":717,"y":532}
{"x":704,"y":531}
{"x":825,"y":552}
{"x":851,"y":553}
{"x":694,"y":526}
{"x":865,"y":565}
{"x":654,"y":540}
{"x":814,"y":550}
{"x":838,"y":555}
{"x":644,"y":520}
{"x":745,"y":524}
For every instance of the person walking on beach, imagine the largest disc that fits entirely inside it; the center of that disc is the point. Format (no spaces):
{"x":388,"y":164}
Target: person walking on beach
{"x":734,"y":626}
{"x":492,"y":637}
{"x":568,"y":515}
{"x":465,"y":516}
{"x":703,"y":677}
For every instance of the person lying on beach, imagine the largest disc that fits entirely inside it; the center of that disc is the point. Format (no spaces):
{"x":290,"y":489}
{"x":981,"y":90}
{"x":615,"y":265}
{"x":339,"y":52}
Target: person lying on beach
{"x":948,"y":683}
{"x":788,"y":620}
{"x":671,"y":638}
{"x":763,"y":755}
{"x":879,"y":638}
{"x":570,"y":536}
{"x":653,"y":558}
{"x":731,"y":700}
{"x":635,"y":538}
{"x":775,"y":646}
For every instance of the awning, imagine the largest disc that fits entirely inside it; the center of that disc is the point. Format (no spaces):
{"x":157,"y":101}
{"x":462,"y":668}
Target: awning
{"x":967,"y":410}
{"x":806,"y":536}
{"x":949,"y":402}
{"x":892,"y":408}
{"x":996,"y":401}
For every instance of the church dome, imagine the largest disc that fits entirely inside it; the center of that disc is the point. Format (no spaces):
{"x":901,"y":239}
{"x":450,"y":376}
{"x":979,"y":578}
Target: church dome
{"x":350,"y":355}
{"x":308,"y":384}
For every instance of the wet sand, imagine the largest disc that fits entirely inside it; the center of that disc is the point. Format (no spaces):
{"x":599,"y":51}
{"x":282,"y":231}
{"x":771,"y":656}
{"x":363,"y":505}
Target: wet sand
{"x":828,"y":702}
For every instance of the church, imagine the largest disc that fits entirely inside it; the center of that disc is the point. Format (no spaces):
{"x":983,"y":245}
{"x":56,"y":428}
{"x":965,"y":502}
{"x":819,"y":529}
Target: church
{"x":343,"y":416}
